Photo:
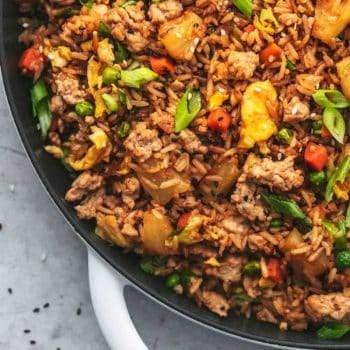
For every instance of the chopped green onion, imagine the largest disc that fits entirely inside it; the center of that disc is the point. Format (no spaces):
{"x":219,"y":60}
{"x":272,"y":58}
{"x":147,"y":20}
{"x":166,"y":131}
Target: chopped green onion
{"x":128,"y":3}
{"x":137,"y":77}
{"x":334,"y":122}
{"x":331,"y":228}
{"x":252,"y":268}
{"x":87,"y":3}
{"x":84,"y":108}
{"x":150,"y":264}
{"x":173,"y":280}
{"x":339,"y":175}
{"x":122,"y":97}
{"x":283,"y":205}
{"x":276,"y":223}
{"x":121,"y":54}
{"x":111,"y":75}
{"x":342,"y":260}
{"x":245,"y":6}
{"x":288,"y":207}
{"x":317,"y":127}
{"x":290,"y":65}
{"x":123,"y":129}
{"x":304,"y":225}
{"x":318,"y":177}
{"x":284,"y":136}
{"x":330,"y":98}
{"x":41,"y":106}
{"x":110,"y":102}
{"x":347,"y":216}
{"x":103,"y":29}
{"x":333,"y":331}
{"x":187,"y":109}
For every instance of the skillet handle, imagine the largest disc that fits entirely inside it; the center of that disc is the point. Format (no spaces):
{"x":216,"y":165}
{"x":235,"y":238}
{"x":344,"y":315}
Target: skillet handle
{"x":107,"y":295}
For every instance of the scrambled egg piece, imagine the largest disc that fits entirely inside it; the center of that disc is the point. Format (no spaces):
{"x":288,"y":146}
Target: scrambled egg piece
{"x":95,"y":83}
{"x":105,"y":52}
{"x":217,"y":99}
{"x":331,"y":18}
{"x":341,"y":190}
{"x":212,"y":262}
{"x":58,"y":56}
{"x":100,"y":151}
{"x":257,"y":123}
{"x":107,"y":228}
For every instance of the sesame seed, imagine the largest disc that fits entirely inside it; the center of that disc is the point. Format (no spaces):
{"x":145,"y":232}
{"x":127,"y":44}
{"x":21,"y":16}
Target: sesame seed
{"x":178,"y":35}
{"x":25,"y":25}
{"x":43,"y":257}
{"x":223,"y":32}
{"x":196,"y":41}
{"x":79,"y":311}
{"x":0,"y":226}
{"x":46,"y":305}
{"x":26,"y":331}
{"x":36,"y":310}
{"x":32,"y":342}
{"x":294,"y":110}
{"x":9,"y":290}
{"x":257,"y":89}
{"x":12,"y":188}
{"x":279,"y":156}
{"x":51,"y":56}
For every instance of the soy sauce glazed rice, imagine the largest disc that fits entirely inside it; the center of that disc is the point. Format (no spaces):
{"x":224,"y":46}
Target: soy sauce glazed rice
{"x":209,"y":137}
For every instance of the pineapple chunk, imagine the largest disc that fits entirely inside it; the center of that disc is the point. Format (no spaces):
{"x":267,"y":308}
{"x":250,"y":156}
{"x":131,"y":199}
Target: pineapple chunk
{"x":343,"y":68}
{"x":331,"y":18}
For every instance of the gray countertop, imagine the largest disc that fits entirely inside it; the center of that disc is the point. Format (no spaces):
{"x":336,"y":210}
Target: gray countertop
{"x":43,"y":262}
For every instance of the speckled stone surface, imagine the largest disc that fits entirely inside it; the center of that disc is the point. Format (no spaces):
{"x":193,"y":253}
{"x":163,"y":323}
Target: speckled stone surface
{"x":42,"y":261}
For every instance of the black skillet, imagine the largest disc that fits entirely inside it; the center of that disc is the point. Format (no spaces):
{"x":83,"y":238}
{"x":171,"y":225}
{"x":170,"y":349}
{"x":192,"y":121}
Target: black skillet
{"x":56,"y":181}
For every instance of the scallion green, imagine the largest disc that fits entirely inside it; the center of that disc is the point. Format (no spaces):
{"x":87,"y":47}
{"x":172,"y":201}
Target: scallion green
{"x":330,"y":98}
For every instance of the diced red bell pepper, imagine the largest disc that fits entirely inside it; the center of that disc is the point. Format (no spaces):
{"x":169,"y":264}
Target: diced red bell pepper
{"x":316,"y":156}
{"x":274,"y":270}
{"x":183,"y":220}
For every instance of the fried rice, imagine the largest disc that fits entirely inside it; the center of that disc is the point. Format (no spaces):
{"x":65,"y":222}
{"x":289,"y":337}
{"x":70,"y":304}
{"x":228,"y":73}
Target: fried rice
{"x":191,"y":128}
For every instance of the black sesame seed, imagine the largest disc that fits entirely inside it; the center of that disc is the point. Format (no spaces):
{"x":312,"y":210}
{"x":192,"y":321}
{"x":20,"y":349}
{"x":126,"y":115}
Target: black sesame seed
{"x":58,"y":349}
{"x":36,"y":310}
{"x":78,"y":311}
{"x":26,"y":331}
{"x":32,"y":342}
{"x":0,"y":226}
{"x":10,"y":290}
{"x":46,"y":305}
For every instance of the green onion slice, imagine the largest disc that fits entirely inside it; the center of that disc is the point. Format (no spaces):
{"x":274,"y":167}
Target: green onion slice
{"x":330,"y":98}
{"x":339,"y":175}
{"x":333,"y":331}
{"x":187,"y":109}
{"x":245,"y":6}
{"x":334,"y":122}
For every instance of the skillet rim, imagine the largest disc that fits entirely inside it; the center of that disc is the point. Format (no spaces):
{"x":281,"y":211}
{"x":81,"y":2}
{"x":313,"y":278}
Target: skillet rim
{"x":87,"y":239}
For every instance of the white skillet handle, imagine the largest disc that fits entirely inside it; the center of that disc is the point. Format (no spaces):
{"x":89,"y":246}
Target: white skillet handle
{"x":107,"y":294}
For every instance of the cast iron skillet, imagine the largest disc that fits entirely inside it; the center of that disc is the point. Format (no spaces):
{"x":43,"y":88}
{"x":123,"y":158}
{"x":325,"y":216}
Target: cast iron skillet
{"x":56,"y":181}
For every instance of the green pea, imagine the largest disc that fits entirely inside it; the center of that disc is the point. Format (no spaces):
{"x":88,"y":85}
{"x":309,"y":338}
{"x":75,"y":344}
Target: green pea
{"x":276,"y":223}
{"x":317,"y":127}
{"x":110,"y":102}
{"x":111,"y":75}
{"x":84,"y":108}
{"x":342,"y":260}
{"x":186,"y":276}
{"x":318,"y":177}
{"x":123,"y":129}
{"x":284,"y":136}
{"x":252,"y":268}
{"x":173,"y":280}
